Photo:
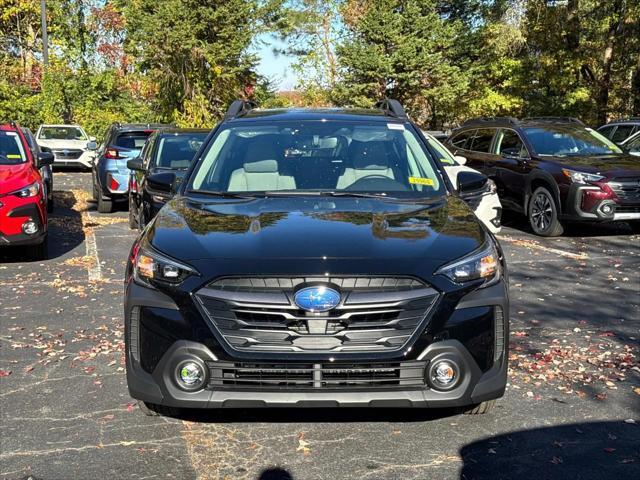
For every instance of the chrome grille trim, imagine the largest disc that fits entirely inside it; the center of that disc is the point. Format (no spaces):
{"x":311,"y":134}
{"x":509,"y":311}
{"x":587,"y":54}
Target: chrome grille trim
{"x":257,"y":318}
{"x":627,"y":189}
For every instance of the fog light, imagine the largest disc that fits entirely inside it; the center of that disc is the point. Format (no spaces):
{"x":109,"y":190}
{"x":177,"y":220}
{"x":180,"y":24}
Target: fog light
{"x":190,"y":375}
{"x":607,"y":209}
{"x":444,"y":374}
{"x":30,"y":227}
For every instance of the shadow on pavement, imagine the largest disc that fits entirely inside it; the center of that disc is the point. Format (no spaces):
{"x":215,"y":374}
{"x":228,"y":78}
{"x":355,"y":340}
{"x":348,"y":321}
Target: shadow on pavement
{"x":65,"y":231}
{"x":317,"y":415}
{"x":275,"y":474}
{"x":593,"y":450}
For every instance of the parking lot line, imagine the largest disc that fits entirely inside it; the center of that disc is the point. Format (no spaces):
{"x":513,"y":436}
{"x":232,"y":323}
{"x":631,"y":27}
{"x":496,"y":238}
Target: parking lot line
{"x":536,"y":246}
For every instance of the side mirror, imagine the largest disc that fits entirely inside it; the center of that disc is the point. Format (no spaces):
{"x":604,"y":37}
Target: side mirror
{"x":44,"y":158}
{"x":92,"y":145}
{"x":92,"y":139}
{"x":45,"y":149}
{"x":470,"y":182}
{"x":460,"y":159}
{"x":135,"y":164}
{"x":161,"y":182}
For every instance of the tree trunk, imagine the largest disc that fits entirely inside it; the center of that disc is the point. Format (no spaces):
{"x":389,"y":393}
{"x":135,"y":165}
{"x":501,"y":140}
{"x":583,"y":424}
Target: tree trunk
{"x":635,"y":90}
{"x":602,"y":98}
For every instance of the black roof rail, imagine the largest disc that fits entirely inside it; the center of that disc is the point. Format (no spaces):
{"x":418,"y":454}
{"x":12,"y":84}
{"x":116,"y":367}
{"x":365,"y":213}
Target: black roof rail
{"x":481,"y":120}
{"x":238,"y":108}
{"x":392,"y":107}
{"x":629,"y":119}
{"x":556,"y":119}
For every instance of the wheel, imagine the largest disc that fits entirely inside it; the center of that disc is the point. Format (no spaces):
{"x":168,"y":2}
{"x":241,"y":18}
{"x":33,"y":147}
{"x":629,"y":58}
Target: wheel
{"x":49,"y":200}
{"x":142,"y":219}
{"x":543,"y":214}
{"x":95,"y":194}
{"x":104,"y":206}
{"x":133,"y":221}
{"x":481,"y":409}
{"x":155,"y":410}
{"x":38,"y":252}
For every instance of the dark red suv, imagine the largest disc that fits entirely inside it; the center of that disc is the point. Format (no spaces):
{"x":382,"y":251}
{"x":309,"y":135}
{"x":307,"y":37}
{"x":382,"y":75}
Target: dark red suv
{"x":553,"y":170}
{"x":23,"y":204}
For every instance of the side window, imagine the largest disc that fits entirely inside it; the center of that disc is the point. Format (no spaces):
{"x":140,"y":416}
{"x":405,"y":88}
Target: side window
{"x":482,"y":140}
{"x":509,"y":144}
{"x":622,"y":133}
{"x":606,"y":131}
{"x":145,"y":155}
{"x":462,"y":140}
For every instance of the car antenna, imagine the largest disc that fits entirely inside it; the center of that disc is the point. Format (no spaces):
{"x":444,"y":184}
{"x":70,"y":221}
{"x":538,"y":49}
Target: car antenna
{"x":393,"y":108}
{"x":238,"y":108}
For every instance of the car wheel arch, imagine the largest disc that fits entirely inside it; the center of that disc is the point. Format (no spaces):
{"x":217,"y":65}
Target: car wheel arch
{"x":541,"y":179}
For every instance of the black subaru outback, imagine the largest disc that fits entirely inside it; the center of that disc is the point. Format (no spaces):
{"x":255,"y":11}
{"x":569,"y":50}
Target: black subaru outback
{"x":316,"y":258}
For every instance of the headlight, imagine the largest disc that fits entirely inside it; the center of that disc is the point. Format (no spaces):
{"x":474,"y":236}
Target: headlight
{"x":481,"y":264}
{"x":150,"y":265}
{"x":581,"y":177}
{"x":30,"y":191}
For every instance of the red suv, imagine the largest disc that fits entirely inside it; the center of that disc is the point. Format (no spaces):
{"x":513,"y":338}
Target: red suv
{"x":23,"y":204}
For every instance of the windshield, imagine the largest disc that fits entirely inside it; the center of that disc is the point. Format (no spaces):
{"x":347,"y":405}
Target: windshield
{"x":177,"y":151}
{"x":561,"y":140}
{"x":61,"y":133}
{"x":297,"y":157}
{"x":444,"y":155}
{"x":11,"y":151}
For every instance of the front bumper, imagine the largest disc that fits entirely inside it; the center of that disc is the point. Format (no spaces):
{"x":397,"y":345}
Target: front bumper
{"x":85,"y":160}
{"x":480,"y":380}
{"x":14,"y":213}
{"x":606,"y":209}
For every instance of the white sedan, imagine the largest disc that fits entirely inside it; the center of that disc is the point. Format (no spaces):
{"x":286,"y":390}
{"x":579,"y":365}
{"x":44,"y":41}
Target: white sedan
{"x":486,"y":204}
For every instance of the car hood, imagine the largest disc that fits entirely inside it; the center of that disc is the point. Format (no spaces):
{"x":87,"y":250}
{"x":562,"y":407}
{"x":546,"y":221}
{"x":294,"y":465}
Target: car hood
{"x":62,"y":144}
{"x":616,"y":165}
{"x":14,"y":177}
{"x":315,"y":228}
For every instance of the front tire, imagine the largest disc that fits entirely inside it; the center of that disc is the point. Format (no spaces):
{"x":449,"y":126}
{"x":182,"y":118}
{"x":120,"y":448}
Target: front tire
{"x":133,"y":221}
{"x":39,"y":251}
{"x":155,"y":410}
{"x":481,"y":408}
{"x":543,"y":214}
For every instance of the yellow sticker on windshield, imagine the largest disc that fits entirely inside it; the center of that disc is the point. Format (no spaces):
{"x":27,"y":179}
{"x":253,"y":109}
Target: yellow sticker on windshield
{"x":421,"y":181}
{"x":13,"y":155}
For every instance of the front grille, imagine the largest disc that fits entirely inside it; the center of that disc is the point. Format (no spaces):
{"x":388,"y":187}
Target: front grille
{"x":312,"y":376}
{"x":69,"y":154}
{"x":627,"y":189}
{"x":374,"y":314}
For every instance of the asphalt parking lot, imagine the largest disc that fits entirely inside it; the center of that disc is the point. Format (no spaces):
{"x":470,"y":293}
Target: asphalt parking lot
{"x":572,"y":407}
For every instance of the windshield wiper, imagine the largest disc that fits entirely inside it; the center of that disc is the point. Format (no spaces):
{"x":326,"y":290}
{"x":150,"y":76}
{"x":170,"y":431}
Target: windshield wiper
{"x":324,"y":193}
{"x":213,"y":193}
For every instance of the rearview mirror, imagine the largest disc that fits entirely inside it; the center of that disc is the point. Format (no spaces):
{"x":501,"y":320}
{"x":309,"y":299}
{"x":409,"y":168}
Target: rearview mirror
{"x":469,"y":182}
{"x":161,"y":182}
{"x":135,"y":164}
{"x":460,"y":159}
{"x":44,"y":158}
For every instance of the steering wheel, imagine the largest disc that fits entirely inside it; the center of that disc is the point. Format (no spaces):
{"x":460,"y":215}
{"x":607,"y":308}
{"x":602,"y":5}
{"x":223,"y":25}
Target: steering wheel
{"x":377,"y":183}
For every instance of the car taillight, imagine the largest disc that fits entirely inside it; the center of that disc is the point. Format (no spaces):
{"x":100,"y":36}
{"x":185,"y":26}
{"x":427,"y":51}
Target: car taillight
{"x":111,"y":153}
{"x":113,"y":184}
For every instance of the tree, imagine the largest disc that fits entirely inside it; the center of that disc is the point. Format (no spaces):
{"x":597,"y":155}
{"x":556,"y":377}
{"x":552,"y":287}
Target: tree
{"x":402,"y":49}
{"x":195,"y":52}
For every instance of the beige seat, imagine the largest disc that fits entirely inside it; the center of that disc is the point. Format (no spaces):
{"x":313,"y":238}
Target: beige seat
{"x":369,"y":158}
{"x":259,"y":176}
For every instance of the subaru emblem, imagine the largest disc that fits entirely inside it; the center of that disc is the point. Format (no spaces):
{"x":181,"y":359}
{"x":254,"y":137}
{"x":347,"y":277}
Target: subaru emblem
{"x":317,"y":299}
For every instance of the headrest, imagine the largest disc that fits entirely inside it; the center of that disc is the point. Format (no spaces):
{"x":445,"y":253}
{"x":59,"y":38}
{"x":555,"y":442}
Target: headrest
{"x":370,"y":156}
{"x":263,"y":147}
{"x":263,"y":166}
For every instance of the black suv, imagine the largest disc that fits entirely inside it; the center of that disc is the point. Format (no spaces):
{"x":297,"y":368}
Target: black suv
{"x":169,"y":151}
{"x":620,"y":130}
{"x":316,"y":258}
{"x":46,"y":172}
{"x":110,"y":174}
{"x":552,"y":169}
